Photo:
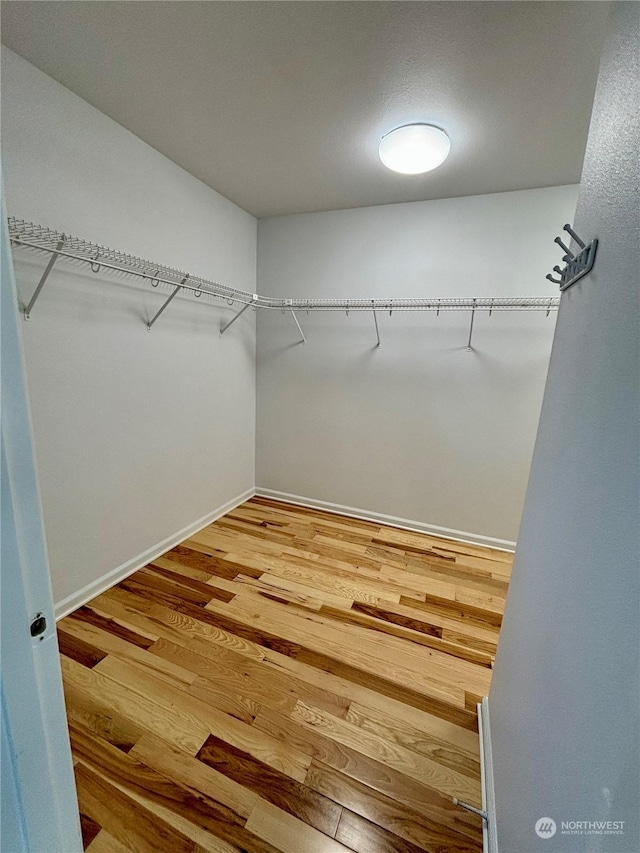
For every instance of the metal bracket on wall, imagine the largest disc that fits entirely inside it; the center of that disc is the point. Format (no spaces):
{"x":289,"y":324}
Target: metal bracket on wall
{"x":375,"y":320}
{"x":473,"y":314}
{"x":175,"y":293}
{"x":303,"y":340}
{"x":43,"y":278}
{"x":224,"y":328}
{"x":576,"y":266}
{"x":480,"y":812}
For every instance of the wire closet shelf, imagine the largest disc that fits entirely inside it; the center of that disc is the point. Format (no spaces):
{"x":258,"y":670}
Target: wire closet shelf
{"x":75,"y":249}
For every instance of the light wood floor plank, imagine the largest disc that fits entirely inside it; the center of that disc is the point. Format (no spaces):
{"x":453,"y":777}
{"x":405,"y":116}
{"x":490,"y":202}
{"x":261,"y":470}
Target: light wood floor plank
{"x":414,"y":765}
{"x":288,"y":834}
{"x":106,"y":843}
{"x":199,"y":715}
{"x":179,"y":728}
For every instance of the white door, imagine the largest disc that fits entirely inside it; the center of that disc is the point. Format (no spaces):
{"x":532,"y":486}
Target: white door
{"x":39,"y":805}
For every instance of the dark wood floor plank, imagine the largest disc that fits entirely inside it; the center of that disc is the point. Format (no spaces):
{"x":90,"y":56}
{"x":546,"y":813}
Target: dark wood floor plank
{"x":104,"y":842}
{"x":417,"y":624}
{"x":204,"y":558}
{"x":81,"y":651}
{"x":285,"y":793}
{"x":365,"y":837}
{"x":441,"y":829}
{"x":87,"y":614}
{"x":149,"y":583}
{"x":89,"y":829}
{"x":184,"y":580}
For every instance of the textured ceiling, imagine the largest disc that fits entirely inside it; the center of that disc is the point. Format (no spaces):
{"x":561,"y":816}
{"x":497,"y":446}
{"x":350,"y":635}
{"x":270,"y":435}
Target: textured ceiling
{"x":280,"y":106}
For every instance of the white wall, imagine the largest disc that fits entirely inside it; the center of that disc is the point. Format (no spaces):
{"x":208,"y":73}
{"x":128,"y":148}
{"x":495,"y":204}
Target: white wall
{"x":565,"y":699}
{"x":138,"y":435}
{"x":420,"y":428}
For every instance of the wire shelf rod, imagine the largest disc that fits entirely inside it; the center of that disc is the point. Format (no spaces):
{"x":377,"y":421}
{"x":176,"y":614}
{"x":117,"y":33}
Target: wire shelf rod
{"x":199,"y":285}
{"x":40,"y":238}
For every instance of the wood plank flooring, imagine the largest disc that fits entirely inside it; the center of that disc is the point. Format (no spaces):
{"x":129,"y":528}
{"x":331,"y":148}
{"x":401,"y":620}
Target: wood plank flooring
{"x":286,"y":680}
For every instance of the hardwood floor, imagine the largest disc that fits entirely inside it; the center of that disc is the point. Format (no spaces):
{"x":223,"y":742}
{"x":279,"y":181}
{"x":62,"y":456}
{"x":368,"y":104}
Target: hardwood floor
{"x":286,"y":680}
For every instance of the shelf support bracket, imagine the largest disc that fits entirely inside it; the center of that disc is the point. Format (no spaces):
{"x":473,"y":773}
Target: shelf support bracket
{"x":178,"y":288}
{"x":473,"y":314}
{"x":43,"y":278}
{"x":224,"y":328}
{"x":480,"y":812}
{"x":303,"y":340}
{"x":375,"y":320}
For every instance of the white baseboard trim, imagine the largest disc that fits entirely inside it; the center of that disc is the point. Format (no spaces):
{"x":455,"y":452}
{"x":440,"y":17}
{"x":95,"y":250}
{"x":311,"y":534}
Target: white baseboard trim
{"x":91,"y":590}
{"x":391,"y":520}
{"x":489,"y":831}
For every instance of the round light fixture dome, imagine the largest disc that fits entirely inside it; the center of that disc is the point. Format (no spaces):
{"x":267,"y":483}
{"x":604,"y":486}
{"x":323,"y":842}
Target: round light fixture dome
{"x":414,"y":148}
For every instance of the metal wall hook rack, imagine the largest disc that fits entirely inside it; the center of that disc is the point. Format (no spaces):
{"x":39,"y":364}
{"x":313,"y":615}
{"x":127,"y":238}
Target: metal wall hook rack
{"x":78,"y":251}
{"x":576,"y":266}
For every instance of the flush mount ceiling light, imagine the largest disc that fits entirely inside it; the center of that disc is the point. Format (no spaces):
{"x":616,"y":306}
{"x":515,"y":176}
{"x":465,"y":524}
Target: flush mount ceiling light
{"x":414,"y":148}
